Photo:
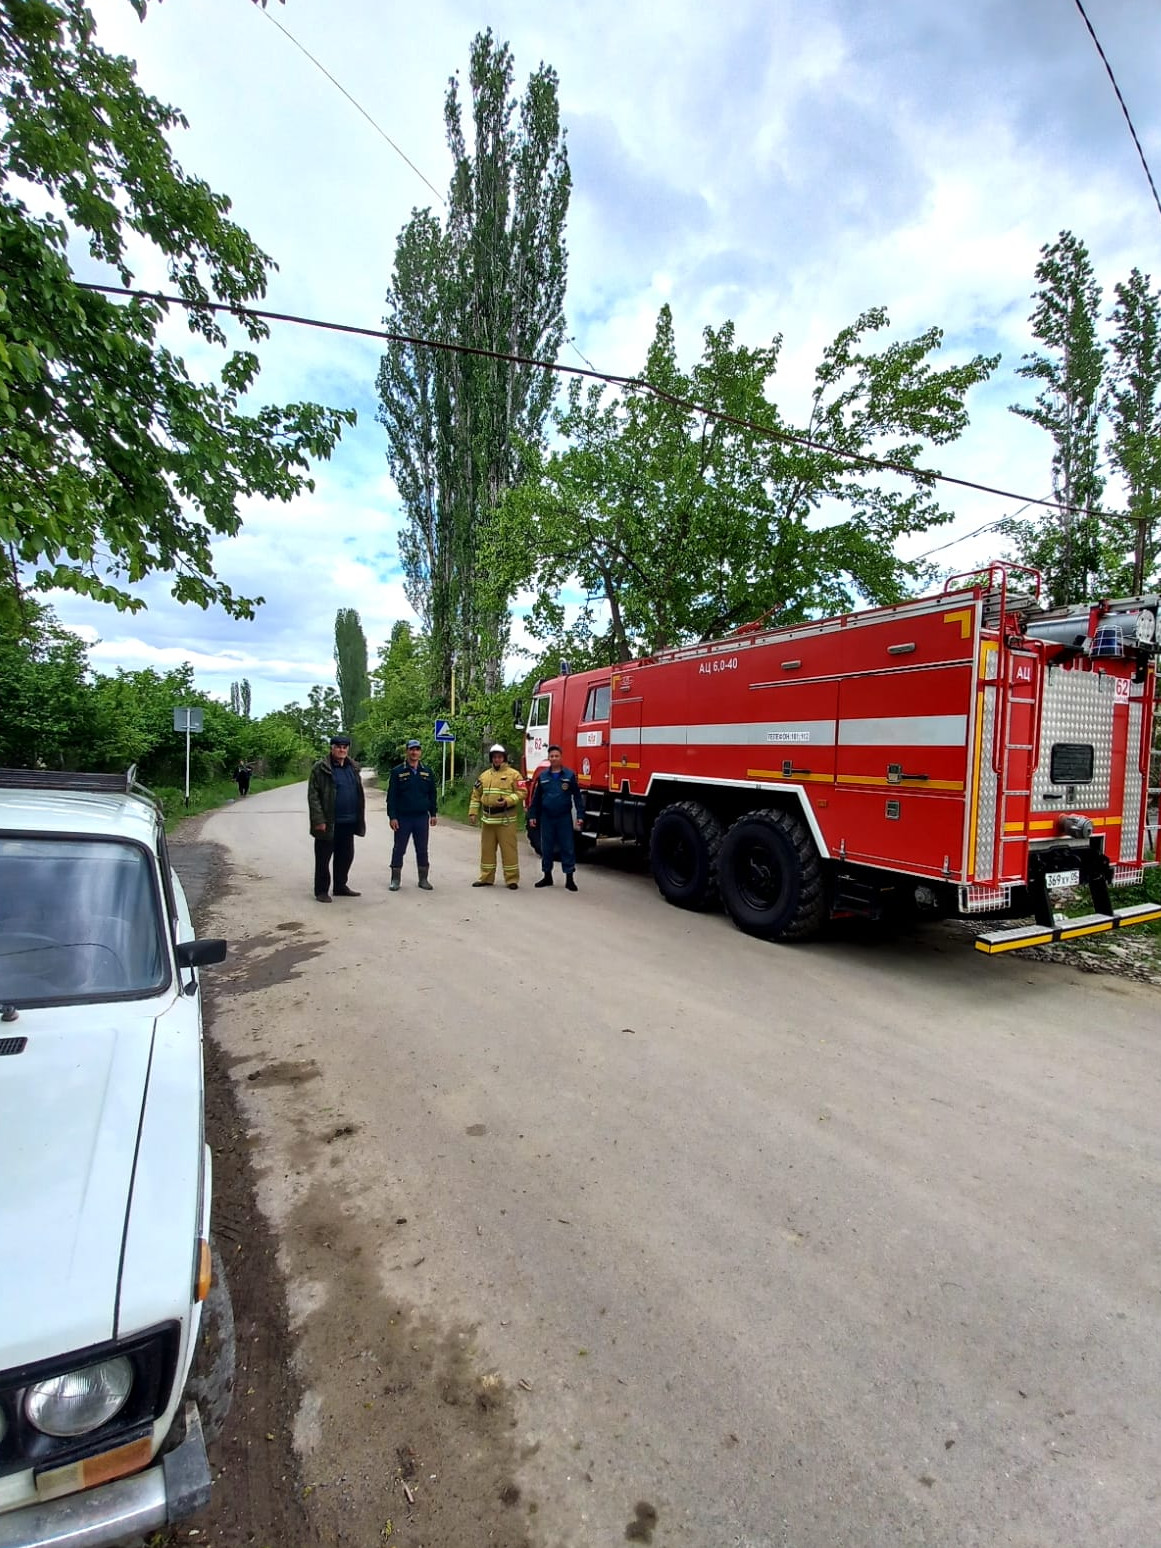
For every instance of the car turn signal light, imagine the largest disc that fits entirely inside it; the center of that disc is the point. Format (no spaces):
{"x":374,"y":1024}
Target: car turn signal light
{"x":205,"y":1276}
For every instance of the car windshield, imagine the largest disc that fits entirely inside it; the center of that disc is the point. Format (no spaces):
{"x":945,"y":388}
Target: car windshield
{"x":78,"y":920}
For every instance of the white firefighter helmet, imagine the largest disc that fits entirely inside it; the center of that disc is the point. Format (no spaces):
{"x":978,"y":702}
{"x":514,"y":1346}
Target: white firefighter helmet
{"x":497,"y":747}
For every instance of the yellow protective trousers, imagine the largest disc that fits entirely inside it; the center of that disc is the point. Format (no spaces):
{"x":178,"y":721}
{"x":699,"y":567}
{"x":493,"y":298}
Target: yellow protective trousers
{"x":502,"y":833}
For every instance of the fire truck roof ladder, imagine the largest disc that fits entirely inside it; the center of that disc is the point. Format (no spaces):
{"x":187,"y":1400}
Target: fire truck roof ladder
{"x":1001,"y":599}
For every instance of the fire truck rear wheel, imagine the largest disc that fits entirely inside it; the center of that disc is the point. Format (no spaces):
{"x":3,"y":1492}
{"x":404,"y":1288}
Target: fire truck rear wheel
{"x":683,"y":854}
{"x":770,"y":876}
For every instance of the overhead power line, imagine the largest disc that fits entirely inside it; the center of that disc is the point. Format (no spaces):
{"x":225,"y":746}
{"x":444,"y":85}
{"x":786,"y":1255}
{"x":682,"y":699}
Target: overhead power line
{"x":992,"y":526}
{"x":626,"y":383}
{"x":1121,"y":100}
{"x":359,"y":108}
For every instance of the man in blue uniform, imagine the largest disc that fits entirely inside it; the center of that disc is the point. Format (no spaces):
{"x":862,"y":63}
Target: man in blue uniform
{"x":557,"y":808}
{"x":411,"y":807}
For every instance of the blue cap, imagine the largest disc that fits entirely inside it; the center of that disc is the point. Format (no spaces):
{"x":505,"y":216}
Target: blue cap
{"x":340,"y":739}
{"x":414,"y":743}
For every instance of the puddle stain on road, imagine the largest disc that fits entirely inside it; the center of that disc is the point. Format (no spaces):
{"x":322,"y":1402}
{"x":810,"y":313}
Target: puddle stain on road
{"x":257,"y":961}
{"x":286,"y":1072}
{"x":643,"y":1524}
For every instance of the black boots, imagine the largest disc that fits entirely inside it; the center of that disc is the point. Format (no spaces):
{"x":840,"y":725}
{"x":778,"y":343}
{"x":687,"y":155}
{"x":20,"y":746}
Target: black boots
{"x":396,"y":876}
{"x":423,"y":881}
{"x":545,"y":881}
{"x":570,"y":884}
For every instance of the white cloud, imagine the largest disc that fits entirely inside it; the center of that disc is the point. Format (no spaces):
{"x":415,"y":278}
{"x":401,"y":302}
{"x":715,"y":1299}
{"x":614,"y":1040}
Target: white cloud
{"x":787,"y":166}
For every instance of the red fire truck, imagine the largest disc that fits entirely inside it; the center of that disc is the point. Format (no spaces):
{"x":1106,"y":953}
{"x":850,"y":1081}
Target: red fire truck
{"x":968,"y":753}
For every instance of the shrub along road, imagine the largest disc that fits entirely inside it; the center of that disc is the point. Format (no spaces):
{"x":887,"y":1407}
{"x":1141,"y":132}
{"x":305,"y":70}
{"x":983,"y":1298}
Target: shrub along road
{"x":591,"y":1220}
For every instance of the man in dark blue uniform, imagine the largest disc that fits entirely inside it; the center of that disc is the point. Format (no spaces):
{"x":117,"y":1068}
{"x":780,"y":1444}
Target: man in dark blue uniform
{"x":557,"y":808}
{"x":411,"y":806}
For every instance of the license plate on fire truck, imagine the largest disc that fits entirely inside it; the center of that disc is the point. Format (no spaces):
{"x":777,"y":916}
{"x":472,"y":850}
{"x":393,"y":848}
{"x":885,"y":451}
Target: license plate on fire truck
{"x":1056,"y":879}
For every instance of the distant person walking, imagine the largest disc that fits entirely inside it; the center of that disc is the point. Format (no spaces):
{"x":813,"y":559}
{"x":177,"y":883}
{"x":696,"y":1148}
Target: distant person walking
{"x":411,"y":808}
{"x":497,"y":796}
{"x":243,"y":774}
{"x":338,"y":814}
{"x":557,"y":808}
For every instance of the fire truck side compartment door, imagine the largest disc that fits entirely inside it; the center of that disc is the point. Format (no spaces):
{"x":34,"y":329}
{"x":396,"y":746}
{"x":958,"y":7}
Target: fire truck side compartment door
{"x":902,"y":774}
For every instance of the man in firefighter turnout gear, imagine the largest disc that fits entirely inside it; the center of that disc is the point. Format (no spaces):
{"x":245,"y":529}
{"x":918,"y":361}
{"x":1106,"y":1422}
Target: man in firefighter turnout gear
{"x":556,"y":808}
{"x":497,"y":796}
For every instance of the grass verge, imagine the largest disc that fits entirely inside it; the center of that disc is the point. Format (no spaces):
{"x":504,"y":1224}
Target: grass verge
{"x":206,"y":798}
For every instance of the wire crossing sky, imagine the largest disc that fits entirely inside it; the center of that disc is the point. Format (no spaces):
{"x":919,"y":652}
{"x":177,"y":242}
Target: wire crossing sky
{"x":625,"y":383}
{"x":787,"y":167}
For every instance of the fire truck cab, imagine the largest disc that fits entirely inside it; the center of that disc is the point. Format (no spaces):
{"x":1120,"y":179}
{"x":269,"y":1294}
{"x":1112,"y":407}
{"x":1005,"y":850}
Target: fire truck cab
{"x":964,"y":753}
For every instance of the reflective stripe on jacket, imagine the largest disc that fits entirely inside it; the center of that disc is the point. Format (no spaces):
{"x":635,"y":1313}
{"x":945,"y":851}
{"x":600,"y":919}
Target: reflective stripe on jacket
{"x":497,"y":795}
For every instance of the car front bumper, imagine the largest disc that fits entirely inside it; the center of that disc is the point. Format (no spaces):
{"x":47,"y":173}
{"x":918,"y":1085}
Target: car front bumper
{"x":176,"y":1485}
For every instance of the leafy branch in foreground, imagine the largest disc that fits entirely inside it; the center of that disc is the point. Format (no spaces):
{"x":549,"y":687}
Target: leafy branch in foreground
{"x":114,"y":462}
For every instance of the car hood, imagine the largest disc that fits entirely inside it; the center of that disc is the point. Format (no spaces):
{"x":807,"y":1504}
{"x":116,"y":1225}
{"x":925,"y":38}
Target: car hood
{"x":71,"y":1106}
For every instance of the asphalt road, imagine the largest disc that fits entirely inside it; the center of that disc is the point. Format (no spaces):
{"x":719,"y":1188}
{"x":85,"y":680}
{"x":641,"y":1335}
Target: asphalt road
{"x":698,"y":1240}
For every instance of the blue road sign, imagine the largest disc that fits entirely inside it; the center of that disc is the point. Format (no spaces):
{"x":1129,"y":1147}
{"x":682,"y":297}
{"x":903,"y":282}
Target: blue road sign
{"x":444,"y":732}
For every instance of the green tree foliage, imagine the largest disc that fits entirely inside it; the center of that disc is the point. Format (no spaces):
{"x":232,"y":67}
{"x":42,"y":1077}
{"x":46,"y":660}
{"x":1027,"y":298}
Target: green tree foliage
{"x":1134,"y":408}
{"x":240,"y":698}
{"x":351,"y":664}
{"x":685,"y":525}
{"x":58,"y":714}
{"x":401,"y":704}
{"x":48,"y":715}
{"x":114,"y":461}
{"x":315,"y":721}
{"x":1067,"y":545}
{"x":458,"y":425}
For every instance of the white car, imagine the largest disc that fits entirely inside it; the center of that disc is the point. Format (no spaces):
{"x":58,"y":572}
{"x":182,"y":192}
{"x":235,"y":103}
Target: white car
{"x":105,"y":1261}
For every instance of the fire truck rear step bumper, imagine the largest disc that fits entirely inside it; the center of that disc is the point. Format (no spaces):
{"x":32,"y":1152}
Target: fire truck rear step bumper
{"x":1069,"y":930}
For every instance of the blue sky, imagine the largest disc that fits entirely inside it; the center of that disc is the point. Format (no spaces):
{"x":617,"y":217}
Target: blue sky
{"x":786,"y":164}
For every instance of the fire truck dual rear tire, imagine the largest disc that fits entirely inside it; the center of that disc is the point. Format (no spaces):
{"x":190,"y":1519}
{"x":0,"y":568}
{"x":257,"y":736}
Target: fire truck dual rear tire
{"x":683,"y":854}
{"x":770,"y":877}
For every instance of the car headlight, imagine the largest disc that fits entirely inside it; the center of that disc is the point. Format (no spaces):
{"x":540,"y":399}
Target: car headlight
{"x":79,"y":1401}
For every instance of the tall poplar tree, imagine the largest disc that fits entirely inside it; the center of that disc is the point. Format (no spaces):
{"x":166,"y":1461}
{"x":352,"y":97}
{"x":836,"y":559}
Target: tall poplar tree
{"x":490,"y":277}
{"x":1134,"y":407}
{"x":351,"y":664}
{"x":1066,"y":544}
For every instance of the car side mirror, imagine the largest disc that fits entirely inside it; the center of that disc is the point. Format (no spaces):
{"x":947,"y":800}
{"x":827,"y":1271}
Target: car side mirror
{"x":518,"y":714}
{"x":196,"y":954}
